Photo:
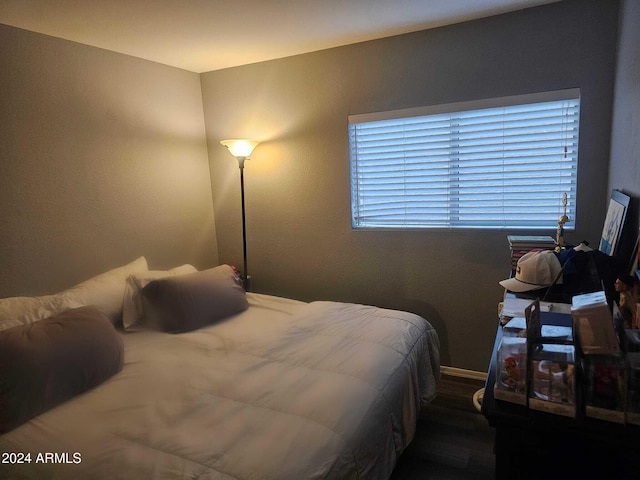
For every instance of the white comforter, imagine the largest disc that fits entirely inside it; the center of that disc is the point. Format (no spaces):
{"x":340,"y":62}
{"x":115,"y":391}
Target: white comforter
{"x":286,"y":390}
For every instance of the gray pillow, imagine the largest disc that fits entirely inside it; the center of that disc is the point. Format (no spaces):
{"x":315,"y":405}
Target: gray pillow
{"x":45,"y":363}
{"x":188,"y":302}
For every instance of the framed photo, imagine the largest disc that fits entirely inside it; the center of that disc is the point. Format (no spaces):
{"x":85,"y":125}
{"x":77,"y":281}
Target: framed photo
{"x":613,"y":222}
{"x":634,"y":265}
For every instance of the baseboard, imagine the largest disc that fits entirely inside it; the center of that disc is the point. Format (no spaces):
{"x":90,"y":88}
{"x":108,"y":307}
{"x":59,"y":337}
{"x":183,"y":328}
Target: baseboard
{"x":461,"y":372}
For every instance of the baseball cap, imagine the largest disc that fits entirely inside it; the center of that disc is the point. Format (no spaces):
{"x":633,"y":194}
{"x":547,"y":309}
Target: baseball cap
{"x":535,"y":269}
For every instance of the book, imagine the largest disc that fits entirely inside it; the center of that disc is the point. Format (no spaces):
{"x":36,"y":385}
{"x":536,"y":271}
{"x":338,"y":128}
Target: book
{"x":531,"y":241}
{"x":522,"y":244}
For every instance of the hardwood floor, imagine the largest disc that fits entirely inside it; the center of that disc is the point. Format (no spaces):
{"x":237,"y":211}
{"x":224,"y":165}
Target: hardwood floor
{"x":453,"y":440}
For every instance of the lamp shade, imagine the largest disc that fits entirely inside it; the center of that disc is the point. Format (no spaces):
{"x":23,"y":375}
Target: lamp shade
{"x":240,"y":148}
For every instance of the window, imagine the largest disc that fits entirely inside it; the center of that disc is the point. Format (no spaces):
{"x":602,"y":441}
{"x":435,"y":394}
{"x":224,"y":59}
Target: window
{"x":498,"y":163}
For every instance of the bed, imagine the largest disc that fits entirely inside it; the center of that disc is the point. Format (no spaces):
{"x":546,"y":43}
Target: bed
{"x":266,"y":388}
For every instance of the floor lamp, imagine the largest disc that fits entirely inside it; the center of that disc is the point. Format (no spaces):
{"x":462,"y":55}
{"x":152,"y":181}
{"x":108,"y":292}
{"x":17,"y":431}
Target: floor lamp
{"x":241,"y":149}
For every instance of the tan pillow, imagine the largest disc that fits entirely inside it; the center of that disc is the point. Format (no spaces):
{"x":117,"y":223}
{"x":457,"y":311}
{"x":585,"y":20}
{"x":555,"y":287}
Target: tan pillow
{"x":187,"y":302}
{"x":45,"y":363}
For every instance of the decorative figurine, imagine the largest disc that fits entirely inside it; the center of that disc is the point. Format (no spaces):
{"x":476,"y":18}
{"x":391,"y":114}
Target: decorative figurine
{"x":561,"y":221}
{"x":513,"y":372}
{"x":625,"y":286}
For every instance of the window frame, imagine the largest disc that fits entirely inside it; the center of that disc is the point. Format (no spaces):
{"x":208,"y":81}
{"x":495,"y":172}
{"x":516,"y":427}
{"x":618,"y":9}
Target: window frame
{"x":572,"y":94}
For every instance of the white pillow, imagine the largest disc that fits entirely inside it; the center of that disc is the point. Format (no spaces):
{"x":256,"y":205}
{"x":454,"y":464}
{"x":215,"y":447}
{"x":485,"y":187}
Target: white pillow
{"x":16,"y":311}
{"x":132,"y":307}
{"x":105,"y":291}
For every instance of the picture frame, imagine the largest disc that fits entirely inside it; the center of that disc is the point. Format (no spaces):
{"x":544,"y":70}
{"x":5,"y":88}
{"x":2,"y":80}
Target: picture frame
{"x":634,"y":264}
{"x":613,"y":223}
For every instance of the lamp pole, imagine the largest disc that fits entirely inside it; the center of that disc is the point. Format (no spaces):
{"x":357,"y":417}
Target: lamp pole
{"x":245,"y":277}
{"x":241,"y":149}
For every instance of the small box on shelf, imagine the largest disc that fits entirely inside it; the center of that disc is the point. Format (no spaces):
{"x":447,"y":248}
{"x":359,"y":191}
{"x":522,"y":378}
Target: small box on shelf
{"x":633,"y":388}
{"x":593,"y":324}
{"x":511,"y":377}
{"x":553,"y":379}
{"x":606,"y":387}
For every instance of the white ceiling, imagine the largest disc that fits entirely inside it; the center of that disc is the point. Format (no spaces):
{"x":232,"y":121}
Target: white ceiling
{"x":205,"y":35}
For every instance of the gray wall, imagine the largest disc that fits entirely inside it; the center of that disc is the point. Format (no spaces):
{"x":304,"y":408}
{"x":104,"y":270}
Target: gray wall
{"x":625,"y":137}
{"x":103,"y":158}
{"x":300,"y":240}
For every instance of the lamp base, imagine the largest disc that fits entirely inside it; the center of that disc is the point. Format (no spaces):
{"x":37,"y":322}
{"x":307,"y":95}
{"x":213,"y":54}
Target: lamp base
{"x":246,"y":282}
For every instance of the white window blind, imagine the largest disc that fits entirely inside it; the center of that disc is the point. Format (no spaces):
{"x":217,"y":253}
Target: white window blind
{"x":498,"y":163}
